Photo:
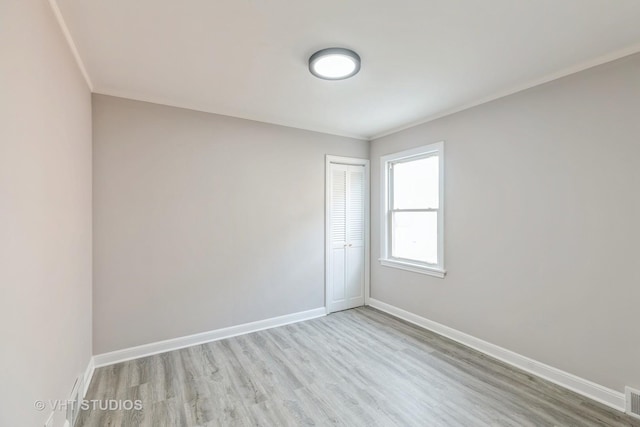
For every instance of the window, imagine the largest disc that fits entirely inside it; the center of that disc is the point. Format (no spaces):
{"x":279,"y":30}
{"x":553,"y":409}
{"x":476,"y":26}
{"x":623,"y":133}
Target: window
{"x":412,"y":210}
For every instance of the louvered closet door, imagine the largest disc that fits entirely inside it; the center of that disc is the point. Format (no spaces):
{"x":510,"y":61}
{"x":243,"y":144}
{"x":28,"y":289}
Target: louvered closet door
{"x":346,"y":269}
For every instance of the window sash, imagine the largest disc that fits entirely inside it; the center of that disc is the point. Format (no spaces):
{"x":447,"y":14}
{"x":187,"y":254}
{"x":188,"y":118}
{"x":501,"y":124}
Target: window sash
{"x":390,"y":239}
{"x":390,"y":172}
{"x":415,"y":210}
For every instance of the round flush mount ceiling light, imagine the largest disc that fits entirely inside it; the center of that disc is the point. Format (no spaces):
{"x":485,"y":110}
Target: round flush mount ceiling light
{"x":334,"y":63}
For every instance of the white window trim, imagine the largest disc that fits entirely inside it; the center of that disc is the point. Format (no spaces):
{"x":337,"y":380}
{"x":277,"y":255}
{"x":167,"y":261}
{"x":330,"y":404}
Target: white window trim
{"x":386,"y":259}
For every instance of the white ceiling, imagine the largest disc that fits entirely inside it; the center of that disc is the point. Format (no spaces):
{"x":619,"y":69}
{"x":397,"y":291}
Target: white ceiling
{"x":420,"y":58}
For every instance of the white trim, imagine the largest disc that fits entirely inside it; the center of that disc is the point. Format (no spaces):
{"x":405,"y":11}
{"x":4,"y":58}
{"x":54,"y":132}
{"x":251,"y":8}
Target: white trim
{"x":70,"y":42}
{"x":202,"y":108}
{"x":416,"y":268}
{"x":385,"y":256}
{"x":628,"y":391}
{"x":609,"y":57}
{"x":367,"y":217}
{"x":202,"y":338}
{"x":86,"y":378}
{"x":346,"y":160}
{"x":597,"y":392}
{"x":79,"y":391}
{"x":49,"y":421}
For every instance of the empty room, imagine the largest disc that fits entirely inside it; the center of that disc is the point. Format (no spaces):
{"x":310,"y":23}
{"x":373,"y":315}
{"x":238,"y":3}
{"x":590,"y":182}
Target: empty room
{"x":294,"y":213}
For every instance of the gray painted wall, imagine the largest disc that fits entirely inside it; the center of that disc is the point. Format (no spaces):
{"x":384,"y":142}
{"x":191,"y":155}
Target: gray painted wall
{"x":203,"y":221}
{"x":542,"y":208}
{"x":45,"y":214}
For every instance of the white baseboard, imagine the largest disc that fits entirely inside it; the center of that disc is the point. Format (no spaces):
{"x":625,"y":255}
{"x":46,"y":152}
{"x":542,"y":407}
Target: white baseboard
{"x":204,"y":337}
{"x":597,"y":392}
{"x":79,"y":390}
{"x":86,"y":378}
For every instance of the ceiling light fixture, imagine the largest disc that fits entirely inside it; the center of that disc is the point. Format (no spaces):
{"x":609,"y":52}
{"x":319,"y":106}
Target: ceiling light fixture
{"x":334,"y":63}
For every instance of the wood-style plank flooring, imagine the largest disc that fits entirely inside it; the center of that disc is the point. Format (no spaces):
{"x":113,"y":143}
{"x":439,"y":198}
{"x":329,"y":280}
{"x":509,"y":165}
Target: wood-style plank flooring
{"x":358,"y":367}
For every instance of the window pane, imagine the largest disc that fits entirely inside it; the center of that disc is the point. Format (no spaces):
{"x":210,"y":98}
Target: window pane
{"x":415,"y":184}
{"x":415,"y":236}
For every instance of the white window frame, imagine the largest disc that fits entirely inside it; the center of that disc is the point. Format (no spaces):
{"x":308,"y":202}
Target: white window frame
{"x":386,"y":259}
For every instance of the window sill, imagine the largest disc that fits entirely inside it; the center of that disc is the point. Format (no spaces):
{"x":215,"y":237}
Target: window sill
{"x":416,"y":268}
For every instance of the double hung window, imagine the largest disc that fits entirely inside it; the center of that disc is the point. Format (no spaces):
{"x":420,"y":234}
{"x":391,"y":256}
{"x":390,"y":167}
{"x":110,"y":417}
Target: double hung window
{"x":412,"y":235}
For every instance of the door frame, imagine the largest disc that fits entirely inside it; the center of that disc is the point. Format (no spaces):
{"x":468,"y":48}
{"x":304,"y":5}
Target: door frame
{"x":354,"y":161}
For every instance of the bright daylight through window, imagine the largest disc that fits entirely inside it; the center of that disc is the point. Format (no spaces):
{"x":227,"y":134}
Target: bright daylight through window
{"x":412,"y":235}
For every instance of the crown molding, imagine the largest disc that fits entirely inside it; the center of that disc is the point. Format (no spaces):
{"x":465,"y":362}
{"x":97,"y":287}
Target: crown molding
{"x":600,"y":60}
{"x":166,"y":102}
{"x":72,"y":45}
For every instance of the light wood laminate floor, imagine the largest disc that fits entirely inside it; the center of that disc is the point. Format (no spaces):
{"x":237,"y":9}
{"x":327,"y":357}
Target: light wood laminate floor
{"x":358,"y":367}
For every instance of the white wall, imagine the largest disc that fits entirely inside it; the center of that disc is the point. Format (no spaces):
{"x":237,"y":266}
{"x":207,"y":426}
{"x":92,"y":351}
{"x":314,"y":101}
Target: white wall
{"x":542,"y":224}
{"x":203,"y":221}
{"x":45,"y":214}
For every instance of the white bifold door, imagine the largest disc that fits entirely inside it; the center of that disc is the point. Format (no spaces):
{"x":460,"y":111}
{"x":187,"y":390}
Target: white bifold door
{"x":346,"y":236}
